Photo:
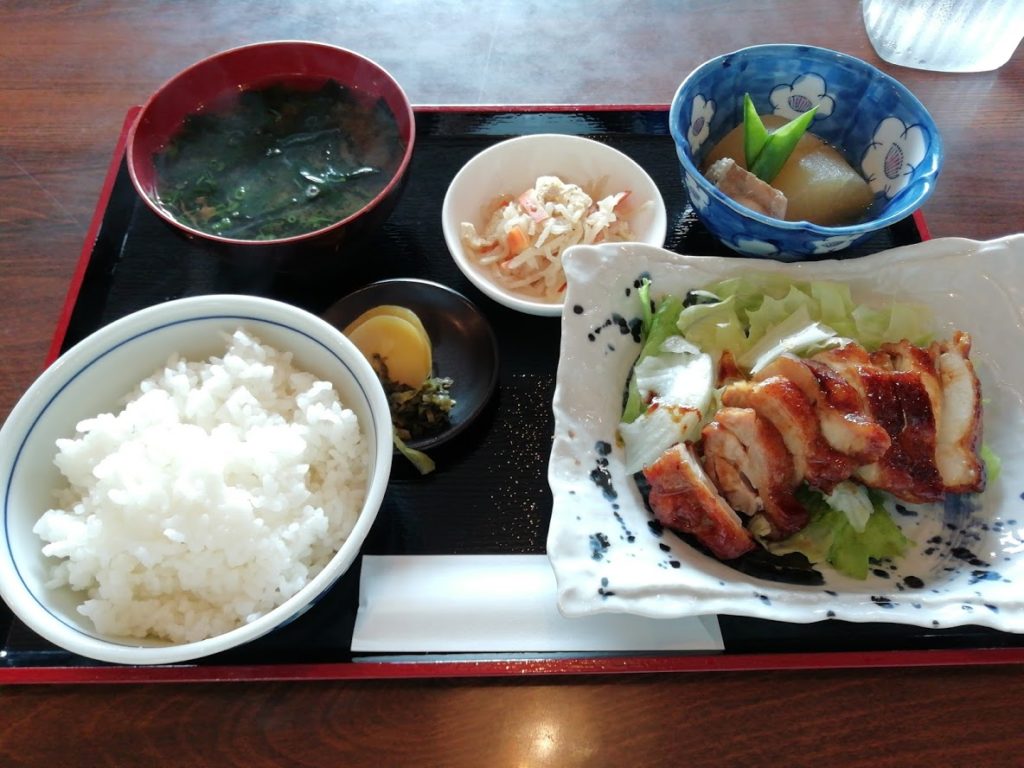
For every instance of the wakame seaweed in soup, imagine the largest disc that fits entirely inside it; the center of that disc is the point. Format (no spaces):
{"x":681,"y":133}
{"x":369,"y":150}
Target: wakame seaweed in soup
{"x":278,"y":161}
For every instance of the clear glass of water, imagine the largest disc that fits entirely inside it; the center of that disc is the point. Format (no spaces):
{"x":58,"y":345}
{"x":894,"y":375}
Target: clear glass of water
{"x":945,"y":35}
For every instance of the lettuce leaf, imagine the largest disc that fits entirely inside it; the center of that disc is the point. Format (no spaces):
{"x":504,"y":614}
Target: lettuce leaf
{"x":678,"y":382}
{"x":657,"y":327}
{"x":646,"y":312}
{"x":796,"y":333}
{"x":670,"y":386}
{"x":830,"y":537}
{"x":853,"y":501}
{"x":754,"y":307}
{"x":714,"y":327}
{"x":993,"y":464}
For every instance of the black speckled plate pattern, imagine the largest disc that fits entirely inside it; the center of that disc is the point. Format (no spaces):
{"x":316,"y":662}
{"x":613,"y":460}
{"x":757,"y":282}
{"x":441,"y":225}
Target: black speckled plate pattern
{"x":489,"y":494}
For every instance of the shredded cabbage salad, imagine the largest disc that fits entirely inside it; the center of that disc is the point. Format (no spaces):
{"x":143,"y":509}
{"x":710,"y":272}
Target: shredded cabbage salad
{"x":522,"y":240}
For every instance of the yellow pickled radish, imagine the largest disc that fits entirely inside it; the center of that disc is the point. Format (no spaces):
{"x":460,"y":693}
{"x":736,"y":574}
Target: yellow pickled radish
{"x":398,"y":345}
{"x":395,"y":311}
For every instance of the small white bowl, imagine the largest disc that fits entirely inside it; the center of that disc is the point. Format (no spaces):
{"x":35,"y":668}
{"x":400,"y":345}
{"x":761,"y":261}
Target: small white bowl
{"x":511,"y":166}
{"x":91,"y":378}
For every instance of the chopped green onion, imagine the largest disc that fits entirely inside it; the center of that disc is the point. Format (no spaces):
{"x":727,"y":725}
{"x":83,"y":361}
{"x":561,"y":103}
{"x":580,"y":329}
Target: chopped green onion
{"x":754,"y":133}
{"x":780,"y":146}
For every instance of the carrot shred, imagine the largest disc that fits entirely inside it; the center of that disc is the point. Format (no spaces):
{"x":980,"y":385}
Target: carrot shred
{"x":517,"y":241}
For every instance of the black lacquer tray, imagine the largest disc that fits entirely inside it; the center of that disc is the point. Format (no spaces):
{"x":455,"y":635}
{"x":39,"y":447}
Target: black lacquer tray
{"x":494,"y":471}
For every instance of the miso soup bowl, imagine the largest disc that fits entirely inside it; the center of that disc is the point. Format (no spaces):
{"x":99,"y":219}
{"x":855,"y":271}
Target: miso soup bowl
{"x":290,"y":62}
{"x":882,"y":130}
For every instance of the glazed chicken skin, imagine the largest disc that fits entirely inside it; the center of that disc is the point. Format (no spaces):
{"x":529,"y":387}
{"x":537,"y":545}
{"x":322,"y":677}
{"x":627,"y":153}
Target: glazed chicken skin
{"x":903,"y":419}
{"x":839,"y":406}
{"x":899,"y":401}
{"x":683,"y":498}
{"x":928,"y":400}
{"x":780,"y":402}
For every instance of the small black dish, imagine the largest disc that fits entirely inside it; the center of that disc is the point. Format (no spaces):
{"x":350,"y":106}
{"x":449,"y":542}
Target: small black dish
{"x":464,"y":346}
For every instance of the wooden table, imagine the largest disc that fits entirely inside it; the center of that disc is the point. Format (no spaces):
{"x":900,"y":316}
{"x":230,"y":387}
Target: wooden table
{"x":68,"y":71}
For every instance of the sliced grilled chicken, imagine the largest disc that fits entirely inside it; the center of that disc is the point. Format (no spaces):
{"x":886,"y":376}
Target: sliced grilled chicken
{"x":846,"y":362}
{"x":959,"y":430}
{"x":726,"y":461}
{"x":904,"y":356}
{"x":762,"y":460}
{"x":902,"y":389}
{"x":780,"y":402}
{"x":903,"y":419}
{"x":900,"y":402}
{"x":683,"y":497}
{"x":839,"y":406}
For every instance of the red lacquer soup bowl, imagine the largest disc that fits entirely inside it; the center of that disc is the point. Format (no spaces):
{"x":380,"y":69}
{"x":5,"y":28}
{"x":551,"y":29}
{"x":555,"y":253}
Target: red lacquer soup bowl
{"x":276,"y":154}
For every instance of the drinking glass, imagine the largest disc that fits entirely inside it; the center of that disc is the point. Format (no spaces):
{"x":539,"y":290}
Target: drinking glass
{"x":945,"y":35}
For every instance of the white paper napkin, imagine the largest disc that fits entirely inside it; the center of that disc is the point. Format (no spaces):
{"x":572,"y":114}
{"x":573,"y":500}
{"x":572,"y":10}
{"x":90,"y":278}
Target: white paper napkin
{"x":497,"y":603}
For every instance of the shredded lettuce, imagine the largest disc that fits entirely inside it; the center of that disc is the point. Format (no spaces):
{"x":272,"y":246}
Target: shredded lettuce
{"x":752,"y":308}
{"x":646,"y":311}
{"x":830,"y":537}
{"x":853,"y":501}
{"x":670,"y":387}
{"x":714,"y":327}
{"x":993,"y":464}
{"x":796,"y":333}
{"x":659,"y":327}
{"x":679,"y":385}
{"x":772,"y":312}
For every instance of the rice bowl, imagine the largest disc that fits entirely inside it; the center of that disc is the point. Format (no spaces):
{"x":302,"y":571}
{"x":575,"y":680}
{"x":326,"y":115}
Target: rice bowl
{"x":257,"y":579}
{"x":242,"y":468}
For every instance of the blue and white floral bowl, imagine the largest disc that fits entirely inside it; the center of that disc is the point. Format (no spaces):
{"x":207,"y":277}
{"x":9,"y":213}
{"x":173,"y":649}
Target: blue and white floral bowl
{"x":882,"y":129}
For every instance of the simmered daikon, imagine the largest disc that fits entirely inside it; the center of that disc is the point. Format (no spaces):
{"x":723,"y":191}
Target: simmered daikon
{"x":819,"y":185}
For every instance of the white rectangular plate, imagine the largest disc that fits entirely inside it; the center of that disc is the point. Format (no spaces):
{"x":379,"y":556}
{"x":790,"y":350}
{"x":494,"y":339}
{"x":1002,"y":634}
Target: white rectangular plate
{"x":966,"y":565}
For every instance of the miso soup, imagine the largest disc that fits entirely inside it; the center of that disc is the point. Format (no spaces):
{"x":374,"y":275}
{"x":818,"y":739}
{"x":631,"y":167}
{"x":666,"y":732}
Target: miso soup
{"x":278,"y":161}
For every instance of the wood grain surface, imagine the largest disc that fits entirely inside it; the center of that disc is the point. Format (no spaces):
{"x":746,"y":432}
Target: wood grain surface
{"x":69,"y":71}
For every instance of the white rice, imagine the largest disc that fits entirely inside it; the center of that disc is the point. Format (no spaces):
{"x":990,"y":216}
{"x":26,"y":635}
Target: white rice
{"x":216,"y":494}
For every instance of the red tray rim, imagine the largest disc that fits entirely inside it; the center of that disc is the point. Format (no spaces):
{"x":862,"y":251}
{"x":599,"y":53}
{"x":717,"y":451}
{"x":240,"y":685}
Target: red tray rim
{"x":418,"y":670}
{"x":439,"y":667}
